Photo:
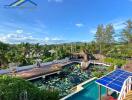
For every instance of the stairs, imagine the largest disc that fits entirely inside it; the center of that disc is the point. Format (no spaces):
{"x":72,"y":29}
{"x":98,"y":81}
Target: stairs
{"x":128,"y":96}
{"x":126,"y":91}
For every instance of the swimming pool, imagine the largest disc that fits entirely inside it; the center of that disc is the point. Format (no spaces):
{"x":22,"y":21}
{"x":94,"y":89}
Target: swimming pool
{"x":90,"y":92}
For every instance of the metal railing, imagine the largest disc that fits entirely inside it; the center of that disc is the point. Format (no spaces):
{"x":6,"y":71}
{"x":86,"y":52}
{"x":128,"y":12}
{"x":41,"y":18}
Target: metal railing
{"x":127,"y":86}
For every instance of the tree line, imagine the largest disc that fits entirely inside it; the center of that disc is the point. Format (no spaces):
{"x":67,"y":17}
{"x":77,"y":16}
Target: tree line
{"x":106,"y":39}
{"x":105,"y":43}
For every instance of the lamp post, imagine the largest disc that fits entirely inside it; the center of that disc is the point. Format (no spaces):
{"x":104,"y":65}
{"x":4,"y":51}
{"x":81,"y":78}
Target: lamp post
{"x":38,"y":63}
{"x":13,"y":68}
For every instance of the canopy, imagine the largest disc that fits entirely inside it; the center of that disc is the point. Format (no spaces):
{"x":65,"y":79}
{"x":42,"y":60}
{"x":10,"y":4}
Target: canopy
{"x":114,"y":80}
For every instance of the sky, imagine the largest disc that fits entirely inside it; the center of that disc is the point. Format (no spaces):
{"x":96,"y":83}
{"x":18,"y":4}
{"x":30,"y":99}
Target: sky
{"x":58,"y":21}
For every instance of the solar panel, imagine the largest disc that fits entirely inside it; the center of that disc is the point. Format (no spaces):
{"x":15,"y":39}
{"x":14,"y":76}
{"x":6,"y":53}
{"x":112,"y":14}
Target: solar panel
{"x":107,"y":78}
{"x":114,"y":80}
{"x":103,"y":82}
{"x":115,"y":87}
{"x":118,"y":82}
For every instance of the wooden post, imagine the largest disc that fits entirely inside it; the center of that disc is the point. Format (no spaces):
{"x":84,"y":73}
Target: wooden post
{"x":107,"y":91}
{"x":99,"y":92}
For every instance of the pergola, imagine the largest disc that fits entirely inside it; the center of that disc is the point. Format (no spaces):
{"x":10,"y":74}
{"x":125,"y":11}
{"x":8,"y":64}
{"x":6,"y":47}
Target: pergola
{"x":113,"y":81}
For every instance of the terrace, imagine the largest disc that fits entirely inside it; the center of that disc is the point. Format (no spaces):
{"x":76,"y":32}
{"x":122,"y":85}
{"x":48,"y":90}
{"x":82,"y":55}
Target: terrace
{"x":116,"y":85}
{"x":64,"y":76}
{"x":67,"y":80}
{"x":33,"y":71}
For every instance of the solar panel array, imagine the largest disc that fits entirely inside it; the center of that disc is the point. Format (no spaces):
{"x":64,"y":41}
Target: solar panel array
{"x":114,"y":80}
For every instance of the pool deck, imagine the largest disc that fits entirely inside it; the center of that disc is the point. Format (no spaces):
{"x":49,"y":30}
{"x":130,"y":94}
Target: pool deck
{"x":42,"y":71}
{"x":37,"y":72}
{"x":128,"y":67}
{"x":78,"y":88}
{"x":31,"y":72}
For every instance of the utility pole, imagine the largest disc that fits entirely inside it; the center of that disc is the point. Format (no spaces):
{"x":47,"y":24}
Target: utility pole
{"x":71,"y":48}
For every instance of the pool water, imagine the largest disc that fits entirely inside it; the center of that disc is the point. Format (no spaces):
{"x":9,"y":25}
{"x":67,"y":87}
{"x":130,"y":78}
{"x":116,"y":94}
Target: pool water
{"x":90,"y":92}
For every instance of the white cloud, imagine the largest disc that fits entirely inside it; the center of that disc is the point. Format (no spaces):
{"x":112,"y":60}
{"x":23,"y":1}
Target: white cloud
{"x":46,"y":39}
{"x":19,"y":31}
{"x":57,"y":1}
{"x":56,"y":38}
{"x":79,"y":25}
{"x":13,"y":33}
{"x":15,"y":38}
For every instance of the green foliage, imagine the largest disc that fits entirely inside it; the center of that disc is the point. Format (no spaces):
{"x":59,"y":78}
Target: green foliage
{"x":49,"y":95}
{"x":120,"y":51}
{"x":127,"y":32}
{"x":109,"y":34}
{"x":114,"y":61}
{"x":11,"y":88}
{"x":111,"y":68}
{"x":25,"y":53}
{"x":104,"y":36}
{"x":97,"y":74}
{"x":3,"y":67}
{"x":48,"y":59}
{"x":100,"y":34}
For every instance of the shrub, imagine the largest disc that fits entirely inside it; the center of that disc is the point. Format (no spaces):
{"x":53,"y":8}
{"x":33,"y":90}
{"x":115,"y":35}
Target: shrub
{"x":13,"y":88}
{"x":110,"y":68}
{"x":97,"y":74}
{"x":48,"y":59}
{"x":113,"y":61}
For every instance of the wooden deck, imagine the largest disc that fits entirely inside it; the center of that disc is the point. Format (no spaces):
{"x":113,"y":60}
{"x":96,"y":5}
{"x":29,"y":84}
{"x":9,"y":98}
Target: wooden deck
{"x":128,"y":66}
{"x":35,"y":72}
{"x":129,"y":96}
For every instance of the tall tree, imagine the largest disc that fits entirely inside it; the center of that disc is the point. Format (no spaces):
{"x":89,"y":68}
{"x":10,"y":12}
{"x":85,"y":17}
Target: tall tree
{"x":4,"y":48}
{"x":109,"y":34}
{"x":127,"y":32}
{"x":100,"y":36}
{"x":104,"y":35}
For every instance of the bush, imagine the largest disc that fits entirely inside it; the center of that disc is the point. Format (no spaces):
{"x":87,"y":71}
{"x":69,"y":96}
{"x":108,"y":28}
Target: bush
{"x":97,"y":74}
{"x":3,"y":67}
{"x":110,"y":68}
{"x":12,"y":88}
{"x":48,"y":59}
{"x":113,"y":61}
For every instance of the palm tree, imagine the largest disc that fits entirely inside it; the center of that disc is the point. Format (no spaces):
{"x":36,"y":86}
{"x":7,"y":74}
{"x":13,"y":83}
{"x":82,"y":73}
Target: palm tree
{"x":4,"y":48}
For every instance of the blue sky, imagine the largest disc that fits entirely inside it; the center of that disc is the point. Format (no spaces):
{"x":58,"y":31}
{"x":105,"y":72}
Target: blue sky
{"x":57,"y":21}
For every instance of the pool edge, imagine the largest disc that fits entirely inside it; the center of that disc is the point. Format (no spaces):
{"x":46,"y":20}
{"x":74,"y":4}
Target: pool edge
{"x":79,"y":88}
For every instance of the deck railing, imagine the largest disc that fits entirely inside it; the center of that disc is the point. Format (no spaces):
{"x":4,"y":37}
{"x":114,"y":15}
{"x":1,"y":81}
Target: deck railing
{"x":127,"y":86}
